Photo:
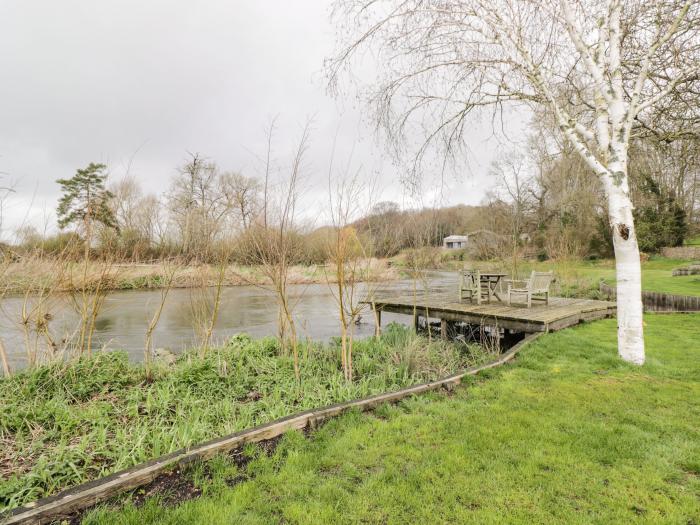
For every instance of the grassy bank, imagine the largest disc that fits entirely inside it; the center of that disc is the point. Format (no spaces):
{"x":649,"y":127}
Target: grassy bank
{"x":63,"y":277}
{"x":568,"y":434}
{"x":65,"y":424}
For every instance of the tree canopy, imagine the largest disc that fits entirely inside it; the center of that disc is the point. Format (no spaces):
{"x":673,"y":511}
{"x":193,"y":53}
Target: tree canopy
{"x":85,"y":198}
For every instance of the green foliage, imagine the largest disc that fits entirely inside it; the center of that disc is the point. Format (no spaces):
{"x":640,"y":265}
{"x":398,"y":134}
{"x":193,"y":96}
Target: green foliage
{"x":601,"y":242}
{"x":141,"y":282}
{"x":63,"y":424}
{"x":85,"y":198}
{"x":568,"y":434}
{"x":661,"y":221}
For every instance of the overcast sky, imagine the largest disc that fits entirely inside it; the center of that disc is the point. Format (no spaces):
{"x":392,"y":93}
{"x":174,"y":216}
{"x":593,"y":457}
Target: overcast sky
{"x":140,"y":83}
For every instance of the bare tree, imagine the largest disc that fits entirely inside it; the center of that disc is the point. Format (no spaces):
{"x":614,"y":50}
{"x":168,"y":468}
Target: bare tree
{"x":385,"y":226}
{"x":126,"y":197}
{"x":598,"y":67}
{"x":242,"y":195}
{"x":6,"y":370}
{"x":5,"y":192}
{"x":4,"y":264}
{"x":273,"y":241}
{"x":349,"y":259}
{"x":196,"y":205}
{"x":205,"y":299}
{"x":515,"y":186}
{"x":152,"y":220}
{"x":170,"y":269}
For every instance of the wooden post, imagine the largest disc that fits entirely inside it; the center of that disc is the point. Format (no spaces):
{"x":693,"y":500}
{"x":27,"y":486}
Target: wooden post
{"x":415,"y":321}
{"x":443,"y":329}
{"x":377,"y":321}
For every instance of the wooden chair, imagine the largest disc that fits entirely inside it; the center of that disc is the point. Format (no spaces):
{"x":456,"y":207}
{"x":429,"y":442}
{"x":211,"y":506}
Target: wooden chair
{"x":470,"y":285}
{"x":536,"y":287}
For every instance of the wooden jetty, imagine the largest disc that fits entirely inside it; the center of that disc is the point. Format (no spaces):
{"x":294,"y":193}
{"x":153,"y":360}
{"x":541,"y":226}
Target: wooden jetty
{"x":560,"y":313}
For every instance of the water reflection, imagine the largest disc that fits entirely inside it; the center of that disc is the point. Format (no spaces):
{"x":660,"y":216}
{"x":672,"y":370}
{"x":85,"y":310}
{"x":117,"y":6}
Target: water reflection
{"x":125,"y":316}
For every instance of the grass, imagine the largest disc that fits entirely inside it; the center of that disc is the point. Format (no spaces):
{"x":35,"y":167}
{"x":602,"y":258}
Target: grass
{"x":61,"y":425}
{"x":579,"y":278}
{"x":568,"y":434}
{"x":656,"y":275}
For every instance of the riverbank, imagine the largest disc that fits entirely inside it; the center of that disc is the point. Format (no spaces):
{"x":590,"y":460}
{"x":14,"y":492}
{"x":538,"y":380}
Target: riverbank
{"x":568,"y":434}
{"x":576,"y":277}
{"x":65,"y":424}
{"x":56,"y":276}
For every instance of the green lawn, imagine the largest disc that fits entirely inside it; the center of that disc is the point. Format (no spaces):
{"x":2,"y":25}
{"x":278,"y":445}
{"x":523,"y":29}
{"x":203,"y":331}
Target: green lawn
{"x":580,"y":278}
{"x":567,"y":434}
{"x":656,"y":274}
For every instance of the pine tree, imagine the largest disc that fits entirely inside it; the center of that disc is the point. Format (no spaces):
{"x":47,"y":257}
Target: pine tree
{"x":86,"y":199}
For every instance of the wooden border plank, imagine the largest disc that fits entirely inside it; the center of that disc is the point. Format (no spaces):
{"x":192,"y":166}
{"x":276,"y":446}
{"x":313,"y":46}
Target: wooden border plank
{"x":88,"y":494}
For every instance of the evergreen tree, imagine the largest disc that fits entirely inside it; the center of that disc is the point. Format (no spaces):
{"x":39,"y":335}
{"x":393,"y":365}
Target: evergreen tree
{"x":661,"y":220}
{"x":86,"y":199}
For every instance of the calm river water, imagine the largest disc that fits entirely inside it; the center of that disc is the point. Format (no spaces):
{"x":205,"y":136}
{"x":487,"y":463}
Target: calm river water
{"x":125,"y":315}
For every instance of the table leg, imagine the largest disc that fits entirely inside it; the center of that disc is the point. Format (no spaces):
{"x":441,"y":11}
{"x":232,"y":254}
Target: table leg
{"x":495,"y":293}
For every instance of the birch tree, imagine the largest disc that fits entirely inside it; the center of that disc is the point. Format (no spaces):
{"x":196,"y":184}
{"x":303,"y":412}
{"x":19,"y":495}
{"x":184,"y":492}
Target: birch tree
{"x":598,"y":67}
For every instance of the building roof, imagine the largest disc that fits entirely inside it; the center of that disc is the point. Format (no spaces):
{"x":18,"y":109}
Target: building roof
{"x":450,"y":238}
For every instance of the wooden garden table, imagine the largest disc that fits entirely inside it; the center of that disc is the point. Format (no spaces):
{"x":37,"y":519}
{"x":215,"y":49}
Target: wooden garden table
{"x":490,"y":281}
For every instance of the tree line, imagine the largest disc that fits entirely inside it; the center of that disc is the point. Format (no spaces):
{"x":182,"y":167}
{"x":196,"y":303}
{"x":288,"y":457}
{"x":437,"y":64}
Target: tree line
{"x":543,"y":203}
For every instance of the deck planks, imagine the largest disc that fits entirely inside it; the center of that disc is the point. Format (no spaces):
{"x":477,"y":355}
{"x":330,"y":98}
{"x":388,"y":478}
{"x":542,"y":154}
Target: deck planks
{"x":560,"y":313}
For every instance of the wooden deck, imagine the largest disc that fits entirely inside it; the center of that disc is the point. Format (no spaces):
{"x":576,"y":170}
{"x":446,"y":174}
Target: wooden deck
{"x":560,"y":313}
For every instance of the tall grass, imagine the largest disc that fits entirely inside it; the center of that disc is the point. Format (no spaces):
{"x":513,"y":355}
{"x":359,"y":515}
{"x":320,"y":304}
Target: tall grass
{"x":64,"y":424}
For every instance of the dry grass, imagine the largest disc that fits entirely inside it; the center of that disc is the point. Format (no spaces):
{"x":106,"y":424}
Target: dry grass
{"x":21,"y":276}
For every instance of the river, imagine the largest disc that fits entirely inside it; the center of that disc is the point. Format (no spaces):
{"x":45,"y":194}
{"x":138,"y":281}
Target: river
{"x":125,"y":315}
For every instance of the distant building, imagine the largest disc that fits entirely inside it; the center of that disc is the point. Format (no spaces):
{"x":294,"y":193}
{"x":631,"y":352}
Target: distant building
{"x":455,"y":242}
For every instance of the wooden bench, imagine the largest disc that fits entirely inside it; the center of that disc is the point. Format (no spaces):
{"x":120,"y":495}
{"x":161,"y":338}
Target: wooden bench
{"x":535,"y":288}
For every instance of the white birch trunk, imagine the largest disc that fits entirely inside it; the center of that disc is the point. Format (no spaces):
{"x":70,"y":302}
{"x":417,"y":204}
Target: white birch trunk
{"x":628,"y":270}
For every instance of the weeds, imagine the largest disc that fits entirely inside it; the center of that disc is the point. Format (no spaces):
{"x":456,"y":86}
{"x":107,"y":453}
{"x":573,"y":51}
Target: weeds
{"x":64,"y":424}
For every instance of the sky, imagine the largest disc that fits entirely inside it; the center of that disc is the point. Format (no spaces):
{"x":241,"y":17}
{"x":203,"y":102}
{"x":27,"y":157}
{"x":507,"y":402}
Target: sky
{"x":138,"y":84}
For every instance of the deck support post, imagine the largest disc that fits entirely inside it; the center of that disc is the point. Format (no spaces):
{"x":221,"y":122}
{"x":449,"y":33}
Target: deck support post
{"x":443,"y":328}
{"x":415,"y":321}
{"x":377,"y":321}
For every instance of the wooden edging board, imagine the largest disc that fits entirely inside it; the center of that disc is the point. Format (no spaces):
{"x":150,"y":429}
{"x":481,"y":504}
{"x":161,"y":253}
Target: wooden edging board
{"x":660,"y":302}
{"x":87,"y":494}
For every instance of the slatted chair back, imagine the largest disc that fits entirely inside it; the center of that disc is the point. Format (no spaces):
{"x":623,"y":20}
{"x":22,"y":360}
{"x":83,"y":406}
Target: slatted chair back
{"x":539,"y":282}
{"x":536,"y":287}
{"x":470,"y":285}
